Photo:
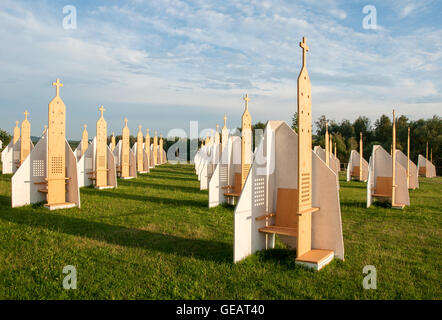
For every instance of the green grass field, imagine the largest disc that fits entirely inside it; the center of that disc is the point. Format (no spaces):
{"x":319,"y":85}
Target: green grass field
{"x":155,"y":238}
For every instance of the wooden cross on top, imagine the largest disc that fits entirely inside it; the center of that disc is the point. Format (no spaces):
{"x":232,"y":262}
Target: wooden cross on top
{"x":139,"y":127}
{"x":26,"y":114}
{"x":16,"y":125}
{"x":217,"y":127}
{"x":57,"y":84}
{"x":247,"y":99}
{"x":225,"y":119}
{"x":156,"y":133}
{"x":125,"y":122}
{"x":101,"y":110}
{"x":85,"y":126}
{"x":305,"y":48}
{"x":113,"y":133}
{"x":147,"y":131}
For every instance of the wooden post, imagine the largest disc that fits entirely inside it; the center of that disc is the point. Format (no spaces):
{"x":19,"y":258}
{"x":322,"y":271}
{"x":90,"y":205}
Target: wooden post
{"x":431,"y":155}
{"x":56,"y":166}
{"x":426,"y":152}
{"x":336,"y":156}
{"x":305,"y":157}
{"x":155,"y":149}
{"x":225,"y":135}
{"x":125,"y":151}
{"x":25,"y":145}
{"x":101,"y":157}
{"x":161,"y":150}
{"x":327,"y":146}
{"x":140,"y":151}
{"x":361,"y":152}
{"x":246,"y":142}
{"x":113,"y":142}
{"x":331,"y":146}
{"x":217,"y":138}
{"x":16,"y":133}
{"x":84,"y":140}
{"x":408,"y":159}
{"x":147,"y":146}
{"x":393,"y":165}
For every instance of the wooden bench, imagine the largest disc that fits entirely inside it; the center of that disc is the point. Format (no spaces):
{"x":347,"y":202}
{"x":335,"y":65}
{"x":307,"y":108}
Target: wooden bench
{"x":286,"y":220}
{"x":355,"y":172}
{"x":383,"y":188}
{"x":235,"y":190}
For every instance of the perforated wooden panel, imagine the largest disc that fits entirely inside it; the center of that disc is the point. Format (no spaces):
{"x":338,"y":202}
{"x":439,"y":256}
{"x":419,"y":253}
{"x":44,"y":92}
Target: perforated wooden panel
{"x":155,"y":149}
{"x":140,"y":164}
{"x":16,"y":133}
{"x":56,"y":150}
{"x":25,"y":145}
{"x":125,"y":152}
{"x":246,"y":142}
{"x":101,"y":156}
{"x":304,"y":155}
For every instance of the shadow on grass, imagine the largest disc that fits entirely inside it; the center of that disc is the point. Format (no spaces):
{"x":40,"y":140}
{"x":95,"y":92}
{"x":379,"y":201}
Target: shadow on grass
{"x":146,"y":183}
{"x":146,"y":197}
{"x":156,"y":176}
{"x":118,"y":235}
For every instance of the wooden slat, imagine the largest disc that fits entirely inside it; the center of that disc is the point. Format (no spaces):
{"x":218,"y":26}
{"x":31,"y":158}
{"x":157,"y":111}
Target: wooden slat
{"x":232,"y":194}
{"x":263,"y":217}
{"x":286,"y":231}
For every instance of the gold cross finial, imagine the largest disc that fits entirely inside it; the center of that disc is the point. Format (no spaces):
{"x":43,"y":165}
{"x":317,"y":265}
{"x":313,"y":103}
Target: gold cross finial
{"x":57,"y":84}
{"x":305,"y":48}
{"x":26,"y":114}
{"x":125,"y":122}
{"x":101,"y":110}
{"x":247,"y":99}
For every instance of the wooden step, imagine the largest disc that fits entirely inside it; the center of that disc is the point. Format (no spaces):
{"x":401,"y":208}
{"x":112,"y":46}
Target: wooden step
{"x":43,"y":190}
{"x":316,"y":258}
{"x":286,"y":231}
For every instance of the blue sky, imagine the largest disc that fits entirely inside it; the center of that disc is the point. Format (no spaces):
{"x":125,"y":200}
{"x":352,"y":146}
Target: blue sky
{"x":163,"y":63}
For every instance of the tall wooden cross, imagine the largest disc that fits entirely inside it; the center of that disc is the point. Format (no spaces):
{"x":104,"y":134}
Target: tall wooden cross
{"x":361,"y":151}
{"x":26,"y":114}
{"x":408,"y":158}
{"x":247,"y":100}
{"x":57,"y":84}
{"x":125,"y":122}
{"x":327,"y":146}
{"x":305,"y":49}
{"x":102,"y":111}
{"x":225,"y":121}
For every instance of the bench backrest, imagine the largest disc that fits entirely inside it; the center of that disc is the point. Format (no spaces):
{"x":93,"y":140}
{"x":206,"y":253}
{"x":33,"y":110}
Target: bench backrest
{"x":422,"y":171}
{"x":383,"y":186}
{"x":287,"y":207}
{"x":237,"y":184}
{"x":355,"y":172}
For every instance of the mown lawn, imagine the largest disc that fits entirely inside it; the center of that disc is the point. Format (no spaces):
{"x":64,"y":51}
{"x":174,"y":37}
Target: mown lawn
{"x":155,"y":238}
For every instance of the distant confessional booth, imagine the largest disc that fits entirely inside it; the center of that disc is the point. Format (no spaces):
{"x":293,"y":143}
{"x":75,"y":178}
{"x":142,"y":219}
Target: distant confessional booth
{"x":387,"y":177}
